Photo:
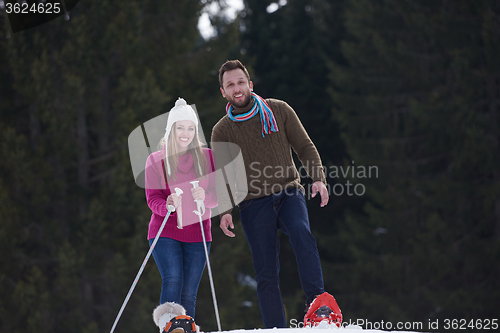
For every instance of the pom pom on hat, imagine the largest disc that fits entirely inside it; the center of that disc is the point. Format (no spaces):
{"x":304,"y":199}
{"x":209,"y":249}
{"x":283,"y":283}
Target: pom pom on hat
{"x":180,"y":101}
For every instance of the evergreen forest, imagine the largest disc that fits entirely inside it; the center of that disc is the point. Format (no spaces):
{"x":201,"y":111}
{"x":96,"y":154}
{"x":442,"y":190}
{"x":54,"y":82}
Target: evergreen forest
{"x":400,"y":97}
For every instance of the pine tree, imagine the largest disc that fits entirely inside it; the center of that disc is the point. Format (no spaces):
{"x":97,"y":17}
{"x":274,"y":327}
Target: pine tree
{"x":419,"y":100}
{"x":73,"y":218}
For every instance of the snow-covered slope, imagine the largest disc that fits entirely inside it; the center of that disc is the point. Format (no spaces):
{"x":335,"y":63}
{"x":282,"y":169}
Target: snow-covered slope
{"x":325,"y":329}
{"x":347,"y":329}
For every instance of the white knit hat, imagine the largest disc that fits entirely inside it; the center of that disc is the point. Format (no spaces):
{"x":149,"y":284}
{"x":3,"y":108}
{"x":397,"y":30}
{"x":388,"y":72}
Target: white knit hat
{"x":181,"y":111}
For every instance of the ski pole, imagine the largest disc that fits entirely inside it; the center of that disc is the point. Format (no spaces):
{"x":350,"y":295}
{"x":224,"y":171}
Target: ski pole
{"x":170,"y":210}
{"x":201,"y":206}
{"x":178,"y":191}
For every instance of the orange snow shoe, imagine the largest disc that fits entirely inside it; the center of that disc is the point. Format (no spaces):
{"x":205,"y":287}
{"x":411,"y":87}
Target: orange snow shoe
{"x":324,"y":307}
{"x":181,"y":324}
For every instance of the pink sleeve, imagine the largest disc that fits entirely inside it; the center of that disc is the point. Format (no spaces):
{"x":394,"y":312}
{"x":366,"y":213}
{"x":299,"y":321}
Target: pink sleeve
{"x":156,"y":189}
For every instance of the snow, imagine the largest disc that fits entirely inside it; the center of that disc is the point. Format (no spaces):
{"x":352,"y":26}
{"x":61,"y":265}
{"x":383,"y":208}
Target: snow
{"x":232,"y":8}
{"x":347,"y":329}
{"x":351,"y":328}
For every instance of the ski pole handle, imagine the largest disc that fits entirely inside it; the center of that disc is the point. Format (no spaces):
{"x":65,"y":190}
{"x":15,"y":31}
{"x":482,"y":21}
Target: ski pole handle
{"x":178,"y":192}
{"x":199,"y":203}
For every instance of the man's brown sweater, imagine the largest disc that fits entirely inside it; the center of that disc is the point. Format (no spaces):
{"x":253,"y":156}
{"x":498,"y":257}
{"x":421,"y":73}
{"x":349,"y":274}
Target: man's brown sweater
{"x":268,"y":160}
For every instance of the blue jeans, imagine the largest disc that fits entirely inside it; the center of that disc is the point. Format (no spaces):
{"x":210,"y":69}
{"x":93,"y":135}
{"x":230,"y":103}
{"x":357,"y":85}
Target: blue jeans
{"x":261,"y":218}
{"x":181,"y":266}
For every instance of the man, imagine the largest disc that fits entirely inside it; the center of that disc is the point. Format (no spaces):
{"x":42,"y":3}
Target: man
{"x":266,"y":130}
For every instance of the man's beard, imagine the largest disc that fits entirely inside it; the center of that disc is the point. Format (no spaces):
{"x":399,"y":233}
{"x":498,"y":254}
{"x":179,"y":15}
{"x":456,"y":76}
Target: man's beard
{"x":242,"y":103}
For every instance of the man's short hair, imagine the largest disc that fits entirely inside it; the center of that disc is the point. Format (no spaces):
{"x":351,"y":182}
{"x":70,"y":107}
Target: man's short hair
{"x":229,"y":66}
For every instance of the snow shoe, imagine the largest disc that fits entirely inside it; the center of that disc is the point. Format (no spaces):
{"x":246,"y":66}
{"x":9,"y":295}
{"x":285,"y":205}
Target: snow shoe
{"x":181,"y":324}
{"x":174,"y":316}
{"x":323,"y":308}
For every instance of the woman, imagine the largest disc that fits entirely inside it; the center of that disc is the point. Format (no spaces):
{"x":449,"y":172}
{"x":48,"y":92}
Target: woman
{"x":179,"y":252}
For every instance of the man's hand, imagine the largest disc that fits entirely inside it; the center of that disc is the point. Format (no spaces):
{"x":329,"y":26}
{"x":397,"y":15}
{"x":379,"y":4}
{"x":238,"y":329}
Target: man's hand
{"x":226,"y":221}
{"x":321,"y":188}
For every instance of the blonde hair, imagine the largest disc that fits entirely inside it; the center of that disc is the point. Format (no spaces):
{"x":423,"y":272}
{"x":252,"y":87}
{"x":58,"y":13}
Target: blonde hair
{"x":195,"y":148}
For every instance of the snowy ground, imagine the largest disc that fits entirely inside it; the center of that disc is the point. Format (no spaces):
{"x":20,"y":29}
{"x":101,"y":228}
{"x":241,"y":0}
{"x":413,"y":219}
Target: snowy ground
{"x":345,"y":328}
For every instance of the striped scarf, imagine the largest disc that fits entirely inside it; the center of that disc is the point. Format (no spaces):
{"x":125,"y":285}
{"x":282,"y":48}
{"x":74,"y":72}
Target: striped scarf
{"x":262,"y":108}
